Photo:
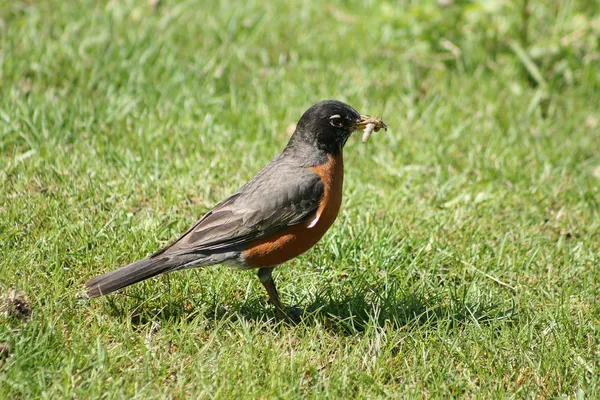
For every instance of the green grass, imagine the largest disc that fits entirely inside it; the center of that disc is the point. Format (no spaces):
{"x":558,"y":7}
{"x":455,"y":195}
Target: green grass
{"x":464,"y":261}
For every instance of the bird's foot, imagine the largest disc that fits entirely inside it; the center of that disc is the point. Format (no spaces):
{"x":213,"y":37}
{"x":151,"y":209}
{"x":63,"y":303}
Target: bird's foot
{"x":293,"y":314}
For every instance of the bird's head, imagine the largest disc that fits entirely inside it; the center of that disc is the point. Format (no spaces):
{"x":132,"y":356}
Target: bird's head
{"x":329,"y":123}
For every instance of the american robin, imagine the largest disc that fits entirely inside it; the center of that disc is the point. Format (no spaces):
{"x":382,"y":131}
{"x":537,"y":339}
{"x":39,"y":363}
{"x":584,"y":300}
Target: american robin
{"x":279,"y":214}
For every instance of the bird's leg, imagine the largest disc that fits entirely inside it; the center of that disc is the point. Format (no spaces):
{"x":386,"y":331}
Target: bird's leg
{"x":265,"y":275}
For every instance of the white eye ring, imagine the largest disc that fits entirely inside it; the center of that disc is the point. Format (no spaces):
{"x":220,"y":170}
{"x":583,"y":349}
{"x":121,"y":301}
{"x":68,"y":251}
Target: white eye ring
{"x":336,"y":120}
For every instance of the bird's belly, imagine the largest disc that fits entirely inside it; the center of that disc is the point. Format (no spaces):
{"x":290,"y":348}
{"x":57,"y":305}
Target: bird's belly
{"x":295,"y":240}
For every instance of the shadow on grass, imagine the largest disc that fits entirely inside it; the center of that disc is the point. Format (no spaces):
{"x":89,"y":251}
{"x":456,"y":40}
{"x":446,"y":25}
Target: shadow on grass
{"x":363,"y":308}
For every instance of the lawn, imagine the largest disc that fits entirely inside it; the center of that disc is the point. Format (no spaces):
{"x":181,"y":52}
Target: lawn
{"x":464,"y":262}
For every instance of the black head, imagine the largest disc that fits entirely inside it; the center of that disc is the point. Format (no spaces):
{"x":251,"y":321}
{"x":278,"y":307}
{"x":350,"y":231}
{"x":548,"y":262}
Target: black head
{"x":327,"y":125}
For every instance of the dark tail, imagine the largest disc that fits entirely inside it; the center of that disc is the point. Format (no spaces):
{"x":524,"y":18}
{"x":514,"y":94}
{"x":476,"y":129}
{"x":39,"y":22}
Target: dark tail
{"x":132,"y":273}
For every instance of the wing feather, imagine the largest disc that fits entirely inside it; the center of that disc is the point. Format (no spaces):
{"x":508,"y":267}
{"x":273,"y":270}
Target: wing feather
{"x":281,"y":195}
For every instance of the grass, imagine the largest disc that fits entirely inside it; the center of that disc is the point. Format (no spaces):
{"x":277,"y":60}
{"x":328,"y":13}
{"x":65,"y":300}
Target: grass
{"x":464,"y":262}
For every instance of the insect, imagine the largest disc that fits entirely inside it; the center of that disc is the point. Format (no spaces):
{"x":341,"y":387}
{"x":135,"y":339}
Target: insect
{"x":373,"y":124}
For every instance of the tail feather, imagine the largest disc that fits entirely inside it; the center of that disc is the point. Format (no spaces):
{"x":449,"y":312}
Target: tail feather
{"x":130,"y":274}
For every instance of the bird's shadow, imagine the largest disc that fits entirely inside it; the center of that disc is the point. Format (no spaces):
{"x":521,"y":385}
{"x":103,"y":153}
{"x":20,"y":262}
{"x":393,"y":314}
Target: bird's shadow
{"x":332,"y":309}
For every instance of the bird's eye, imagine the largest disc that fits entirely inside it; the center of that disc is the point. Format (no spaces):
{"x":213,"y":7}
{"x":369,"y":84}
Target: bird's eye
{"x":335,"y":120}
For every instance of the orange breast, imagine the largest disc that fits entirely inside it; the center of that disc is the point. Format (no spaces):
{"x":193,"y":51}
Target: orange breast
{"x":292,"y":242}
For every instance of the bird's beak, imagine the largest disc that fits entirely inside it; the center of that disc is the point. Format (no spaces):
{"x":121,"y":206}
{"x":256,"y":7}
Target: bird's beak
{"x":364,"y":120}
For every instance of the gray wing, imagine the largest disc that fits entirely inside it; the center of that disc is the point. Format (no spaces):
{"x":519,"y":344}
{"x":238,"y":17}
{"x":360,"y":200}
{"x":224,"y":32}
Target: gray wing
{"x":279,"y":196}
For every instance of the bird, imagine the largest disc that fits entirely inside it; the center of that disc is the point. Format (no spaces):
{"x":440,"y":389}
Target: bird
{"x":279,"y":214}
